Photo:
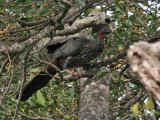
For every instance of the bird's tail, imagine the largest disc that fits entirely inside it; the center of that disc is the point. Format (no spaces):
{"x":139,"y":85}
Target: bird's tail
{"x":39,"y":81}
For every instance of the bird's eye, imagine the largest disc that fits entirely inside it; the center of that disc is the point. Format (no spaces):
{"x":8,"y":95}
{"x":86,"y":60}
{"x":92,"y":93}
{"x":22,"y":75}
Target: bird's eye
{"x":92,"y":15}
{"x":107,"y":20}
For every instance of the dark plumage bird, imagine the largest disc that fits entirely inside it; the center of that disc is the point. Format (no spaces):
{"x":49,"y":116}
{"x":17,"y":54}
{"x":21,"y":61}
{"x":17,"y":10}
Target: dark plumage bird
{"x":76,"y":52}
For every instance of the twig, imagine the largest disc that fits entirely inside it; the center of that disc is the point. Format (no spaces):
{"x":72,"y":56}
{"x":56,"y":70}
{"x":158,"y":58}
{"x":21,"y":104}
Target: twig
{"x":106,"y":62}
{"x":10,"y":63}
{"x":35,"y":118}
{"x":12,"y":93}
{"x":3,"y":66}
{"x":63,"y":14}
{"x":122,"y":71}
{"x":130,"y":103}
{"x":66,"y":2}
{"x":128,"y":97}
{"x":128,"y":117}
{"x":68,"y":5}
{"x":32,"y":23}
{"x":9,"y":84}
{"x":27,"y":29}
{"x":52,"y":65}
{"x":22,"y":82}
{"x":4,"y":5}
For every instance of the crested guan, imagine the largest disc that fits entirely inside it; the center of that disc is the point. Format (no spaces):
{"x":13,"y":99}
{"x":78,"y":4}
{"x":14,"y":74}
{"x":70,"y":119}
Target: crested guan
{"x":75,"y":52}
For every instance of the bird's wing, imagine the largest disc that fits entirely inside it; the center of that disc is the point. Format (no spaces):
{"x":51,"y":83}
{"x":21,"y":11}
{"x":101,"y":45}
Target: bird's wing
{"x":72,"y":47}
{"x":52,"y":48}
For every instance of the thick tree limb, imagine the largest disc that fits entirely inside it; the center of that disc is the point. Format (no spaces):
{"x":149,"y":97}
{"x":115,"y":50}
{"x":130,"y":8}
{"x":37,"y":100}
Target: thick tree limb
{"x":94,"y":101}
{"x":20,"y":47}
{"x":79,"y":9}
{"x":94,"y":19}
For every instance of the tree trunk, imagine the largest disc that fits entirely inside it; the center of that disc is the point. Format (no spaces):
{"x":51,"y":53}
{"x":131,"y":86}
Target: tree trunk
{"x":94,"y":101}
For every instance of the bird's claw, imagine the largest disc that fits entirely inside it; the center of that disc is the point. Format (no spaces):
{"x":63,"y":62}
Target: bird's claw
{"x":74,"y":74}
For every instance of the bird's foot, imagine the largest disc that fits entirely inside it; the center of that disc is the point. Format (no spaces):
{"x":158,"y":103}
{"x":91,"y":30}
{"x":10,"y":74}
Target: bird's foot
{"x":74,"y":74}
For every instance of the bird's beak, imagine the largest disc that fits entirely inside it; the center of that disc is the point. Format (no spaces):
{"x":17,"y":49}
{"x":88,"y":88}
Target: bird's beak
{"x":108,"y":30}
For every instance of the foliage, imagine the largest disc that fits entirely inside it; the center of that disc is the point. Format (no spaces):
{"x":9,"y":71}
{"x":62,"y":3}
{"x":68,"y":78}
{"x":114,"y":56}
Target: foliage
{"x":131,"y":21}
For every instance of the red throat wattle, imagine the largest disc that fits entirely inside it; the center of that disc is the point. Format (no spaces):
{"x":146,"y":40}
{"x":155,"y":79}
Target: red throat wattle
{"x":101,"y":36}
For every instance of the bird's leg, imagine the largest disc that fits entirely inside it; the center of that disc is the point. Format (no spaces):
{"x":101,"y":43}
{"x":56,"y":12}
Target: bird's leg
{"x":69,"y":63}
{"x":74,"y":74}
{"x":66,"y":62}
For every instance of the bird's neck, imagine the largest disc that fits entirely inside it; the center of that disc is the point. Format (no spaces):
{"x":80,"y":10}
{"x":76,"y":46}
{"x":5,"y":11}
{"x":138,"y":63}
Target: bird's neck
{"x":99,"y":40}
{"x":101,"y":36}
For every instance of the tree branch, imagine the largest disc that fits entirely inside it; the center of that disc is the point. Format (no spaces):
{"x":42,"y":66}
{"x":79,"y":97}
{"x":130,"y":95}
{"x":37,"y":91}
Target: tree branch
{"x":94,"y":101}
{"x":10,"y":82}
{"x":130,"y":103}
{"x":22,"y":83}
{"x":35,"y":118}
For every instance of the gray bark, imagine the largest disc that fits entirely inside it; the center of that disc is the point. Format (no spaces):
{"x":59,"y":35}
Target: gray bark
{"x":94,"y":101}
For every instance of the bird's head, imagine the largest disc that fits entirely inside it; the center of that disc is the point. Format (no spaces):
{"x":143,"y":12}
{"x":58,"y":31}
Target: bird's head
{"x":101,"y":30}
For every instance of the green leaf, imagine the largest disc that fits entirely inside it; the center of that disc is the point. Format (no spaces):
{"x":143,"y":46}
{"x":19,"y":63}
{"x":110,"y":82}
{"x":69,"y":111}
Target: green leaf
{"x":40,"y":99}
{"x":134,"y":36}
{"x":81,"y":3}
{"x":67,"y":117}
{"x":7,"y":42}
{"x":117,"y":35}
{"x":2,"y":1}
{"x":72,"y":92}
{"x":102,"y":75}
{"x":139,"y":21}
{"x":36,"y":70}
{"x":135,"y":108}
{"x":28,"y":1}
{"x":2,"y":113}
{"x":3,"y":23}
{"x":132,"y":18}
{"x":32,"y":11}
{"x":44,"y":12}
{"x":150,"y":17}
{"x":2,"y":107}
{"x":29,"y":101}
{"x":157,"y":112}
{"x":42,"y":7}
{"x":8,"y":16}
{"x":126,"y":24}
{"x":57,"y":8}
{"x":115,"y":74}
{"x":119,"y":10}
{"x":149,"y":104}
